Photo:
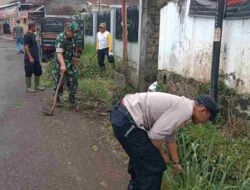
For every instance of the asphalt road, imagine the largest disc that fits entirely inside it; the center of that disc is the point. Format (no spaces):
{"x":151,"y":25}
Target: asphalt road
{"x":69,"y":151}
{"x":11,"y":70}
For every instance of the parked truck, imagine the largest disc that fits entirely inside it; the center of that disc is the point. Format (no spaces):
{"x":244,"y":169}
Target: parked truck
{"x":50,"y":28}
{"x":57,"y":14}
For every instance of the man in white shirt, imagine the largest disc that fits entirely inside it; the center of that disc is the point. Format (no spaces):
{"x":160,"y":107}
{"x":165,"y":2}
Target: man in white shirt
{"x":143,"y":122}
{"x":103,"y":44}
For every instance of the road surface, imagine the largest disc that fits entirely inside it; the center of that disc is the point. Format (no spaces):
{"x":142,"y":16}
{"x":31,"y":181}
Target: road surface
{"x":66,"y":152}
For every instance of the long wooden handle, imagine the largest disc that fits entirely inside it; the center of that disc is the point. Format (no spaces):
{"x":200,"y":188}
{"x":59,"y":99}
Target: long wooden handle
{"x":56,"y":94}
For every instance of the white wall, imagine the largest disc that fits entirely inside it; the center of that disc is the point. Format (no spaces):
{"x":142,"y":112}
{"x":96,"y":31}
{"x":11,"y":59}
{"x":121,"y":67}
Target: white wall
{"x":133,"y":50}
{"x":89,"y":40}
{"x":133,"y":57}
{"x":186,"y":45}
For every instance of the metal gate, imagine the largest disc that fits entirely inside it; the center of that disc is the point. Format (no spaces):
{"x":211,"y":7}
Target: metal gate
{"x":103,"y":17}
{"x":133,"y":23}
{"x":88,"y":25}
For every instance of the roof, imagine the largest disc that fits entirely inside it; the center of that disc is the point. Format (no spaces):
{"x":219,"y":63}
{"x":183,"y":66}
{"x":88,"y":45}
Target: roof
{"x":62,"y":7}
{"x":5,"y":2}
{"x":114,"y":2}
{"x":9,"y":5}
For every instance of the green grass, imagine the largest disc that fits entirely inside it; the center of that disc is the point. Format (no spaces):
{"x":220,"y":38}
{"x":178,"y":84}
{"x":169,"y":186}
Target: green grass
{"x":95,"y":92}
{"x":212,"y":157}
{"x":47,"y":77}
{"x":97,"y":88}
{"x":210,"y":161}
{"x":18,"y":104}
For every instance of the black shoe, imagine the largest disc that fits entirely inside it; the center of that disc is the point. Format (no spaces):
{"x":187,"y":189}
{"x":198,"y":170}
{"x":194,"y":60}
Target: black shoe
{"x":131,"y":185}
{"x":22,"y":52}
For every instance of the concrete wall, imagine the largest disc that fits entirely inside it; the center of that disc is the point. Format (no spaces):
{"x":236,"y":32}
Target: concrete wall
{"x":89,"y":40}
{"x":186,"y":46}
{"x":149,"y":41}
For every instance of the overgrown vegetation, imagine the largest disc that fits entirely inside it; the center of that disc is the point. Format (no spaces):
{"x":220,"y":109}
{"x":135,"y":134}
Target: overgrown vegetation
{"x":210,"y":161}
{"x":213,"y":157}
{"x":98,"y":88}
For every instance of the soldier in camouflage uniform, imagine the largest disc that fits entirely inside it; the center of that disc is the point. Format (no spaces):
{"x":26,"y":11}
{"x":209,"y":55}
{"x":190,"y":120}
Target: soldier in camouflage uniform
{"x":63,"y":62}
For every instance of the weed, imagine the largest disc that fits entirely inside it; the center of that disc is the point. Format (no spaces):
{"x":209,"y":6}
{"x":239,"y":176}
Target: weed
{"x":97,"y":91}
{"x":18,"y":104}
{"x":99,"y":88}
{"x":209,"y":161}
{"x":236,"y":127}
{"x":47,"y":77}
{"x":161,"y":87}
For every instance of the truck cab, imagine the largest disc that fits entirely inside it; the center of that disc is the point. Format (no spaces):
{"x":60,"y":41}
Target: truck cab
{"x":51,"y":27}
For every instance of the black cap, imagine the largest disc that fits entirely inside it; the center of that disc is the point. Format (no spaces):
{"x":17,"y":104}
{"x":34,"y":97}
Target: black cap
{"x":210,"y":104}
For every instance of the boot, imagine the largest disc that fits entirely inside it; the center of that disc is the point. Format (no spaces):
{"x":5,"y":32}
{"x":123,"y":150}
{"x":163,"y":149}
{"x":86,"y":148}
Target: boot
{"x":37,"y":84}
{"x":28,"y":85}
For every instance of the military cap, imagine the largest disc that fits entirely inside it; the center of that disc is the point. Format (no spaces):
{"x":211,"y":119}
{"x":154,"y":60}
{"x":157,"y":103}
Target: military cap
{"x":73,"y":26}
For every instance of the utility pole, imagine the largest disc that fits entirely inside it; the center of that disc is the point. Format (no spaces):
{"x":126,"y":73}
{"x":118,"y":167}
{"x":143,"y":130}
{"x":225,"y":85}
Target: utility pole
{"x":99,"y":6}
{"x":217,"y":48}
{"x":125,"y":32}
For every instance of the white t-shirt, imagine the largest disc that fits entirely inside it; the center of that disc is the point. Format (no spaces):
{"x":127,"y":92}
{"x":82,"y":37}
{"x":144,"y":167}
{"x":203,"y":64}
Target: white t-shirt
{"x":103,"y":39}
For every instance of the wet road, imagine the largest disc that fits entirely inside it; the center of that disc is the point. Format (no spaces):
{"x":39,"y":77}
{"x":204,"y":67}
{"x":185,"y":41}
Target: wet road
{"x":11,"y":70}
{"x":50,"y":153}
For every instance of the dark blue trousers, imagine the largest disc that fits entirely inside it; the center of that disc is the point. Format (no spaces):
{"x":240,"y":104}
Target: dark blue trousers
{"x":146,"y":166}
{"x":19,"y":45}
{"x":101,"y":56}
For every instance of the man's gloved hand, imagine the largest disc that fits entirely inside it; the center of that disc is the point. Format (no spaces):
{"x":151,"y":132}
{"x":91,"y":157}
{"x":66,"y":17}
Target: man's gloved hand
{"x":111,"y":54}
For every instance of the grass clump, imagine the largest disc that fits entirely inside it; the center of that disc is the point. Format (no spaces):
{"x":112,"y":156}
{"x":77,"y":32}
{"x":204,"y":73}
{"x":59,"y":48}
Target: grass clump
{"x":210,"y":161}
{"x":95,"y":93}
{"x":47,"y":77}
{"x":99,"y":88}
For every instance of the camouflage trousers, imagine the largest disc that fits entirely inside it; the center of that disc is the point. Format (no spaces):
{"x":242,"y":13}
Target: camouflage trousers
{"x":71,"y":79}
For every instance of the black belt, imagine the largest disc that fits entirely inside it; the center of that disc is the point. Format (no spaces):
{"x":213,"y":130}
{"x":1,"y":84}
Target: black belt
{"x":122,"y":109}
